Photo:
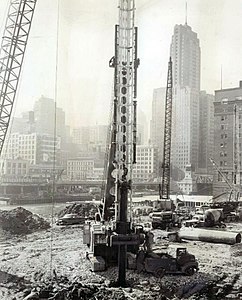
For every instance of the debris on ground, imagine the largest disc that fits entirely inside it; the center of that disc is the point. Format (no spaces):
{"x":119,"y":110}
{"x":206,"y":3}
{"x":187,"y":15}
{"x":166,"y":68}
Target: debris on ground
{"x":82,"y":209}
{"x":32,"y":258}
{"x":21,"y":221}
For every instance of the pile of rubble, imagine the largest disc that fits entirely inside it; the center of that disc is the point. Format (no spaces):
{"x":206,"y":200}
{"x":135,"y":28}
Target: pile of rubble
{"x":62,"y":289}
{"x":82,"y":209}
{"x":21,"y":221}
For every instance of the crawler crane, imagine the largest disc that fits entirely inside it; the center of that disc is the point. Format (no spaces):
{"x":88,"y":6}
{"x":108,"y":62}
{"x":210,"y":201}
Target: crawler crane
{"x":164,"y":217}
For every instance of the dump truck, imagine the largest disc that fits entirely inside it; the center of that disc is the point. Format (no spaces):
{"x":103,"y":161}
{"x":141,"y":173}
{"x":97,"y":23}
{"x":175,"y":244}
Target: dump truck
{"x":160,"y":264}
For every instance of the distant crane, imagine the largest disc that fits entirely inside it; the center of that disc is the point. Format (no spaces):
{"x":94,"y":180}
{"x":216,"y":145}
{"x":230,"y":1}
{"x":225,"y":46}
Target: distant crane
{"x":166,"y":166}
{"x":14,"y":41}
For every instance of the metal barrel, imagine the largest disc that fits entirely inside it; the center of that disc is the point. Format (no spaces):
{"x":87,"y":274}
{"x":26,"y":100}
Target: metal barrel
{"x":212,"y":236}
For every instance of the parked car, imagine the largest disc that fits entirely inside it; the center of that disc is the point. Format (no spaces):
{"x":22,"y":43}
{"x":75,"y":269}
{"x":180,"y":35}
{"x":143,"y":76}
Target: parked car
{"x":70,"y":219}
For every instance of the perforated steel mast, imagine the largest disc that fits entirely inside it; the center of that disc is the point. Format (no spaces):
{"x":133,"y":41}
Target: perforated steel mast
{"x":122,"y":153}
{"x":166,"y":166}
{"x":123,"y":145}
{"x":14,"y":41}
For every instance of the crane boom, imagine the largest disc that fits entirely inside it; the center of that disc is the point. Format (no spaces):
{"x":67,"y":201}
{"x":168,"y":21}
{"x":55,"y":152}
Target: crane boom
{"x":166,"y":173}
{"x":221,"y":173}
{"x":14,"y":41}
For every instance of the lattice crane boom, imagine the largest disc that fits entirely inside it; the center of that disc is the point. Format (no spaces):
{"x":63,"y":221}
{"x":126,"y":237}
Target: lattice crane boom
{"x":14,"y":41}
{"x":166,"y":166}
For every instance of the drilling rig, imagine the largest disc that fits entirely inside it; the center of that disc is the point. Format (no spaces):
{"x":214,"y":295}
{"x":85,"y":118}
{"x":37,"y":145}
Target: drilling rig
{"x":113,"y":234}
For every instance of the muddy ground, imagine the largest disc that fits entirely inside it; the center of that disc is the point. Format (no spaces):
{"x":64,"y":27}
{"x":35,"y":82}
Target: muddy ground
{"x":27,"y":263}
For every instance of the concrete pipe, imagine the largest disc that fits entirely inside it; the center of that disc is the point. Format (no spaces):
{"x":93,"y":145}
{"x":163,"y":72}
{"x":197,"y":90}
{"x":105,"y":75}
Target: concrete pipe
{"x":213,"y":236}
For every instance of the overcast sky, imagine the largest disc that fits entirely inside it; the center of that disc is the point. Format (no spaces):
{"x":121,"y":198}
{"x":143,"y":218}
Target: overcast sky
{"x":86,"y":43}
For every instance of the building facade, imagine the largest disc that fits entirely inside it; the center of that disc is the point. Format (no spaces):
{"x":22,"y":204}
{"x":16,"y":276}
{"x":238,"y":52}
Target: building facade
{"x":34,"y":148}
{"x":227,"y":136}
{"x":146,"y":167}
{"x":80,"y":168}
{"x":185,"y":54}
{"x":14,"y":168}
{"x":206,"y":133}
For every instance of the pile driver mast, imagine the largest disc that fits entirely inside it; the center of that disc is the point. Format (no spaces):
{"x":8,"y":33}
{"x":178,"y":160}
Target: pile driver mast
{"x":14,"y":41}
{"x":115,"y":233}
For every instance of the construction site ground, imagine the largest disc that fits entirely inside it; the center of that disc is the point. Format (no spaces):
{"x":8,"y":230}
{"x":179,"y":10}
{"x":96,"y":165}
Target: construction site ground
{"x":28,"y":262}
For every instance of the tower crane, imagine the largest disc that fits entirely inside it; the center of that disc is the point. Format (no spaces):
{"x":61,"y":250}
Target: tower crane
{"x":14,"y":41}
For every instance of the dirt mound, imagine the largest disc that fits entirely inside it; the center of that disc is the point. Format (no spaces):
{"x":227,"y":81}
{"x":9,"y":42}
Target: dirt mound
{"x":21,"y":221}
{"x":82,"y":209}
{"x":236,"y":250}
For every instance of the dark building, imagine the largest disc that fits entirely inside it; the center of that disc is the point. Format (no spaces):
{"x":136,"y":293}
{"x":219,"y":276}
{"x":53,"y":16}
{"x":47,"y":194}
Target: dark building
{"x":227,"y":135}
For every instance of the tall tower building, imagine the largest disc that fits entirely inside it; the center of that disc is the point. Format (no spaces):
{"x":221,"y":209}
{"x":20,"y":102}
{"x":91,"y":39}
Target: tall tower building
{"x":185,"y":53}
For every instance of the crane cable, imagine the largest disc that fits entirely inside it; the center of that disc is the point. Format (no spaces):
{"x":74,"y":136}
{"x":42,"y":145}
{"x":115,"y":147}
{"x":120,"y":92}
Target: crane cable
{"x":52,"y":271}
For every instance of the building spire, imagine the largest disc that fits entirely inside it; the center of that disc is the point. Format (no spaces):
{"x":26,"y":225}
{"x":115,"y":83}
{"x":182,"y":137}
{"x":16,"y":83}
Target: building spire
{"x":186,"y":14}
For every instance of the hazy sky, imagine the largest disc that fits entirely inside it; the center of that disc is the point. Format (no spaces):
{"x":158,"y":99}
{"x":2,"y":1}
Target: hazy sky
{"x":86,"y":43}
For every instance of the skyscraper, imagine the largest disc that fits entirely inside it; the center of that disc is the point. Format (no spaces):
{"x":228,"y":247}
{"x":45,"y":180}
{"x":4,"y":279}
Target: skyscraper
{"x":185,"y":53}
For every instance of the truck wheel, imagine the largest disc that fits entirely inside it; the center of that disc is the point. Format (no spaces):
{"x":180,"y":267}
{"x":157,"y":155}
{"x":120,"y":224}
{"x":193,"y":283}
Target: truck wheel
{"x":189,"y":271}
{"x":160,"y":272}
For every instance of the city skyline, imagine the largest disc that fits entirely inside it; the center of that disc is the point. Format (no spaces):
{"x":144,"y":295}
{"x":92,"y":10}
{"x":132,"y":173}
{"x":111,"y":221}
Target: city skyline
{"x":84,"y":77}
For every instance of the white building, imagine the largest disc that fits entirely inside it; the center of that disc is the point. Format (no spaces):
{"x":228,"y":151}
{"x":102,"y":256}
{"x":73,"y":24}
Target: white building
{"x":187,"y":185}
{"x":32,"y":147}
{"x":145,"y":168}
{"x":14,"y":168}
{"x":80,"y":168}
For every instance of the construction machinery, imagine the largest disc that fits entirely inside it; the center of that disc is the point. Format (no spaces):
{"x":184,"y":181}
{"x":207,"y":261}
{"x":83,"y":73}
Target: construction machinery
{"x":160,"y":263}
{"x":14,"y":41}
{"x":163,"y":215}
{"x":113,"y":233}
{"x":230,"y":205}
{"x":113,"y":237}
